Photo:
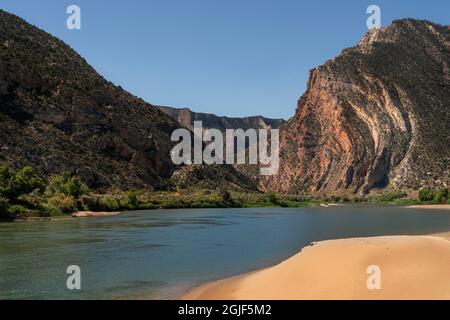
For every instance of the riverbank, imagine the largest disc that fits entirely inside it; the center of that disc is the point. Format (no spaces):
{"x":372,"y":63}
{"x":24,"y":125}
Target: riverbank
{"x":92,"y":214}
{"x":63,"y":195}
{"x":431,"y":206}
{"x":261,"y":204}
{"x":411,"y":267}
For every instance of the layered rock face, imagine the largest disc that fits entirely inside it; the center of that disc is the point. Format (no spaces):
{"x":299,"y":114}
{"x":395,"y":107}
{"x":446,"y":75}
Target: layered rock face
{"x":187,"y":117}
{"x":376,"y":116}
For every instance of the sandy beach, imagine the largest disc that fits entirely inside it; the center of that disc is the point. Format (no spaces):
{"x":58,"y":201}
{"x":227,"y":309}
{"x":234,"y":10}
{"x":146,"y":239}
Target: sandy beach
{"x":91,"y":214}
{"x":431,"y":207}
{"x":411,"y":267}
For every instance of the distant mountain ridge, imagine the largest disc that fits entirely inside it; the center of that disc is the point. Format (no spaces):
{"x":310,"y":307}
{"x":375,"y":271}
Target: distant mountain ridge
{"x":186,"y":117}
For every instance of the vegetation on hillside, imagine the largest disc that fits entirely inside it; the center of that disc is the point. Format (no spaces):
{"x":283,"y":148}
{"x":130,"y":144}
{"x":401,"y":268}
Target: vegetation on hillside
{"x":23,"y":193}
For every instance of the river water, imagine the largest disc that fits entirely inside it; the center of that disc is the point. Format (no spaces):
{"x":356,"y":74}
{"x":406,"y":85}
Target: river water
{"x":159,"y":254}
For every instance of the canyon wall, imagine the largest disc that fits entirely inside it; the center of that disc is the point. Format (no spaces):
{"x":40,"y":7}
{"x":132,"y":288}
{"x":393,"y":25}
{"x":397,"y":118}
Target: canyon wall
{"x":376,"y":116}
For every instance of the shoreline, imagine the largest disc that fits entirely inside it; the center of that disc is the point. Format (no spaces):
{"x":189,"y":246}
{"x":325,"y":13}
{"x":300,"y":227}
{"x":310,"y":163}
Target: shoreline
{"x":95,"y":214}
{"x":430,"y":206}
{"x":411,"y":267}
{"x":100,"y":214}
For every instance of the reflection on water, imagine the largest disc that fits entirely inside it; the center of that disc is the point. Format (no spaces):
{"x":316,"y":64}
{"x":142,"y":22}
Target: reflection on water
{"x":158,"y":254}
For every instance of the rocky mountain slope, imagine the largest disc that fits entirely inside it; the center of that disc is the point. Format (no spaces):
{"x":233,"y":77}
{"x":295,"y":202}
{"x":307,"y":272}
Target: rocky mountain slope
{"x":187,"y":117}
{"x":59,"y":115}
{"x":376,"y":116}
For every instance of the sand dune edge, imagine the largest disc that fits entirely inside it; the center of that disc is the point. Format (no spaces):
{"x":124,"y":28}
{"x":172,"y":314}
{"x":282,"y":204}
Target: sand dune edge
{"x":409,"y":267}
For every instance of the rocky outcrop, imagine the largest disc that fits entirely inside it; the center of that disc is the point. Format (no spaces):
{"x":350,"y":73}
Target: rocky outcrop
{"x":187,"y":117}
{"x":375,"y":116}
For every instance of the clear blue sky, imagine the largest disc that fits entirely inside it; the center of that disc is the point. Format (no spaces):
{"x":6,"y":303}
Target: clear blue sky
{"x":229,"y":57}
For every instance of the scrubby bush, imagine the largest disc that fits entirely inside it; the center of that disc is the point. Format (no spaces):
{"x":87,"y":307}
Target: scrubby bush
{"x":225,"y":201}
{"x":102,"y":203}
{"x":65,"y":204}
{"x":133,"y":200}
{"x":17,"y":210}
{"x":3,"y":206}
{"x":15,"y":184}
{"x":272,"y":198}
{"x":335,"y":198}
{"x":110,"y":203}
{"x":50,"y":211}
{"x":173,"y":204}
{"x":441,"y":196}
{"x":391,"y":196}
{"x":225,"y":198}
{"x":67,"y":185}
{"x":426,"y":194}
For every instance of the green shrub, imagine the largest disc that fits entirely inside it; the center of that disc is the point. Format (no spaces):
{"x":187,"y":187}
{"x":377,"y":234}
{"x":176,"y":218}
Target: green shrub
{"x":225,"y":199}
{"x":17,"y":210}
{"x":441,"y":196}
{"x":426,"y":194}
{"x":50,"y":211}
{"x":66,"y":204}
{"x":335,"y":199}
{"x":225,"y":196}
{"x":133,"y":200}
{"x":391,"y":196}
{"x":272,"y":198}
{"x":109,"y":203}
{"x":15,"y":184}
{"x":173,"y":204}
{"x":87,"y":202}
{"x":4,"y":203}
{"x":67,"y":185}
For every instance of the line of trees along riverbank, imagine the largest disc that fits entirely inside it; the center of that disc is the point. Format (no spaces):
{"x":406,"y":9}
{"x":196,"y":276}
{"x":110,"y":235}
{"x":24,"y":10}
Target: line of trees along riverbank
{"x":23,"y":193}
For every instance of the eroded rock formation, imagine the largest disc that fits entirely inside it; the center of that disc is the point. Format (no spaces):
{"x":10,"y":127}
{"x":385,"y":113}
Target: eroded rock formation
{"x":376,"y":116}
{"x":187,"y":117}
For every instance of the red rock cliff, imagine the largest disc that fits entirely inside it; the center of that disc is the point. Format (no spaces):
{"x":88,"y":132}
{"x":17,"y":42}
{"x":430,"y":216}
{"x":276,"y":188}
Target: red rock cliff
{"x":376,"y":116}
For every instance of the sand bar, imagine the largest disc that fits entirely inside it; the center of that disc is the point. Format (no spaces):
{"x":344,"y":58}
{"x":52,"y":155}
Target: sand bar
{"x":91,"y":214}
{"x":412,"y":267}
{"x":431,"y":206}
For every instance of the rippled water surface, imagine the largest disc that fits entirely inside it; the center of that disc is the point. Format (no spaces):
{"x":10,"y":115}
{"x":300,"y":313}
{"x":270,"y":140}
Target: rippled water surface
{"x":160,"y":253}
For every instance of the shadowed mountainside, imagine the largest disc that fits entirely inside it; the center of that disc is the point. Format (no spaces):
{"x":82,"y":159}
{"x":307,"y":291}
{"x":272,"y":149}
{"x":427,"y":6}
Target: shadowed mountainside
{"x":60,"y":116}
